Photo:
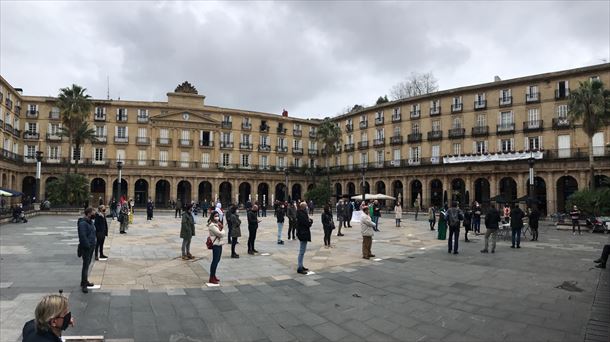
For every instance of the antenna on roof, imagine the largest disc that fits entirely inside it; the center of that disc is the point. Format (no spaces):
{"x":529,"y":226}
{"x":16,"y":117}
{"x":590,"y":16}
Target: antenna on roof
{"x":108,"y":87}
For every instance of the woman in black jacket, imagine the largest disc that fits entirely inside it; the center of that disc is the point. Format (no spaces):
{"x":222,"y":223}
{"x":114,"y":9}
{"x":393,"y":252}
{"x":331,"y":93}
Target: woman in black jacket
{"x":328,"y":224}
{"x":534,"y":217}
{"x":234,"y":222}
{"x":252,"y":228}
{"x":101,"y":231}
{"x":303,"y":234}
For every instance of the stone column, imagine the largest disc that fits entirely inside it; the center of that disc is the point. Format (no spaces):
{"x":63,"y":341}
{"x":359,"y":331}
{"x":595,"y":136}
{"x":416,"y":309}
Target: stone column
{"x":493,"y":185}
{"x":521,"y":189}
{"x":551,"y":193}
{"x":152,"y":189}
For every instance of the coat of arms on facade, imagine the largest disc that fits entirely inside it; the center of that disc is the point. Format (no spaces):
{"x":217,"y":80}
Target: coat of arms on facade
{"x":187,"y":88}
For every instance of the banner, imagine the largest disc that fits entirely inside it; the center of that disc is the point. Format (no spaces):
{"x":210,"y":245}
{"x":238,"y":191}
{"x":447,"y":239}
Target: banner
{"x":356,"y":216}
{"x":480,"y":158}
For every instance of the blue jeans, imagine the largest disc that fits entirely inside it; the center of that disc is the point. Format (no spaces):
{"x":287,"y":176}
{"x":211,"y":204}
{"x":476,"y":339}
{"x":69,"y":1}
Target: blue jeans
{"x":302,"y":249}
{"x":454,"y":236}
{"x":516,"y":234}
{"x":476,"y":224}
{"x":216,"y":252}
{"x":376,"y":221}
{"x":280,"y":225}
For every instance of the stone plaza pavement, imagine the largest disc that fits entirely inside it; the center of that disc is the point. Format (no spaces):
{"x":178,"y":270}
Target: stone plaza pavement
{"x":413,"y":291}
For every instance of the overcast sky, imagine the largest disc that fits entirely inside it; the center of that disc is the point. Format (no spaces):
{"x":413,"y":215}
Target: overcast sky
{"x":313,"y":58}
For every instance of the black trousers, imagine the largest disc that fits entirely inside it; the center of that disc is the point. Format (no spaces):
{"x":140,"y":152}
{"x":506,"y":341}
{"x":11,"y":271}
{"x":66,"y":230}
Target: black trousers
{"x":233,"y":243}
{"x":251,"y":238}
{"x":87,"y":255}
{"x":605,"y":254}
{"x":99,"y":245}
{"x":292,"y":229}
{"x":149,"y":214}
{"x":454,"y":236}
{"x":327,"y":233}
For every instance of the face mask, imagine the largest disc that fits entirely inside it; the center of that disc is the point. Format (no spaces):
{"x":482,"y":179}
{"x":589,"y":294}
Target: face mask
{"x":216,"y":218}
{"x":66,"y":322}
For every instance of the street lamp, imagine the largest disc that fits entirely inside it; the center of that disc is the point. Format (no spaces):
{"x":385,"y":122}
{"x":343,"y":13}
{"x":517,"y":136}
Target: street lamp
{"x":363,"y":170}
{"x":532,"y":198}
{"x":38,"y":167}
{"x":119,"y":166}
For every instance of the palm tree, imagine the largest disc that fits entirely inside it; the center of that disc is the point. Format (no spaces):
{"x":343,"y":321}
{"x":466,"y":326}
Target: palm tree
{"x":591,"y":104}
{"x":83,"y":134}
{"x":329,"y":135}
{"x":74,"y":106}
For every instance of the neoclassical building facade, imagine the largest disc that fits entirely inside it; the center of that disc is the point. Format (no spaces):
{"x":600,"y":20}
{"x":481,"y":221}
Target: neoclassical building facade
{"x":464,"y":144}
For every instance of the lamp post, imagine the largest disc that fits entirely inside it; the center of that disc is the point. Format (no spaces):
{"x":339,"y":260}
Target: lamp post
{"x":532,"y":197}
{"x":363,"y":170}
{"x":286,"y":178}
{"x":119,"y":166}
{"x":38,"y":167}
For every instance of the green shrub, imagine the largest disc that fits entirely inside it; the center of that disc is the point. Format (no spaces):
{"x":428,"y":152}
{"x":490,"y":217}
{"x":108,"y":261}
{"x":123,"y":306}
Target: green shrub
{"x":320,"y":194}
{"x":596,"y":202}
{"x":69,"y":189}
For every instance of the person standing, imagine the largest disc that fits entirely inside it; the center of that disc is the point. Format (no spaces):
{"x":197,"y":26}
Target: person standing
{"x":376,"y":214}
{"x":476,"y":218}
{"x":253,"y":222}
{"x":124,"y":218}
{"x":467,"y":223}
{"x":350,"y":213}
{"x":442,"y":224}
{"x":534,"y":218}
{"x":86,"y":244}
{"x":367,"y":228}
{"x":281,"y":212}
{"x":217,"y":235}
{"x":292,"y":220}
{"x":113,"y":209}
{"x":575,"y":216}
{"x":416,"y":204}
{"x":397,"y":214}
{"x":221,"y":214}
{"x":601,"y":262}
{"x":303,"y":234}
{"x":310,"y":206}
{"x":52,"y":317}
{"x":454,"y":218}
{"x":187,"y":231}
{"x":340,"y":210}
{"x":516,"y":224}
{"x":235,"y":222}
{"x":132,"y":210}
{"x":101,"y":231}
{"x":178,"y":211}
{"x":149,"y":209}
{"x":100,"y":201}
{"x":205,"y":207}
{"x":263,"y":209}
{"x":432,"y":216}
{"x":492,"y":223}
{"x":328,"y":225}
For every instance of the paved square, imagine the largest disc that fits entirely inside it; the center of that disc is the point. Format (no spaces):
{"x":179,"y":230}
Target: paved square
{"x":416,"y":292}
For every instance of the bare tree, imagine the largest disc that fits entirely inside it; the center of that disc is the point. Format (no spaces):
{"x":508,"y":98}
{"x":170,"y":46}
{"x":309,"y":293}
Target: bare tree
{"x":414,"y":85}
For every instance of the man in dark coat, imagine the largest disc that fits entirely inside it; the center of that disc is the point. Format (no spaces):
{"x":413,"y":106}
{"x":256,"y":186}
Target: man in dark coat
{"x":86,"y":244}
{"x":101,"y":231}
{"x":516,"y":223}
{"x":492,"y":221}
{"x":534,"y":217}
{"x":253,"y":222}
{"x":303,"y":234}
{"x":150,"y":206}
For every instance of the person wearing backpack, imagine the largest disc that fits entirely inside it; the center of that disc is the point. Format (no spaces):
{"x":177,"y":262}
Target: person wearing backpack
{"x":454,"y":217}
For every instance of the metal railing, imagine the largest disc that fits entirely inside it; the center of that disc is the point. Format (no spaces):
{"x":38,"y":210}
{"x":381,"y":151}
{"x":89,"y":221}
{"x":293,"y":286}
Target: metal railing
{"x":414,"y":137}
{"x":533,"y":125}
{"x":206,"y":143}
{"x":505,"y":128}
{"x":435,"y":135}
{"x":532,"y":97}
{"x":435,"y":111}
{"x":142,"y":141}
{"x":379,"y":142}
{"x":396,"y":140}
{"x":164,"y":141}
{"x":505,"y":101}
{"x":457,"y":133}
{"x":226,"y":124}
{"x":479,"y":131}
{"x":478,"y":105}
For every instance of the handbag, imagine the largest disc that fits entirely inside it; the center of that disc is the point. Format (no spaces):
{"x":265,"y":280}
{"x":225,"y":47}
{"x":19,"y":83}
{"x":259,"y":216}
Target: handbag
{"x":209,"y":243}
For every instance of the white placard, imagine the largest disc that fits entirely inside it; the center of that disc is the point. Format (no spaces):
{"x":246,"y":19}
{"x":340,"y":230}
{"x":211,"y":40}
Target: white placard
{"x":356,"y":216}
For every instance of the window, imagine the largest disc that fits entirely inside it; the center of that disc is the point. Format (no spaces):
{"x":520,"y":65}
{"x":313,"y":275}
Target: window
{"x":100,"y":131}
{"x":457,"y":149}
{"x":396,"y":112}
{"x":435,"y":106}
{"x":76,"y":153}
{"x":436,"y":154}
{"x":142,"y":132}
{"x":350,"y":139}
{"x":350,"y":161}
{"x":479,"y":101}
{"x":142,"y":113}
{"x":363,"y":118}
{"x":457,"y":102}
{"x":297,"y":127}
{"x":364,"y":136}
{"x":396,"y":154}
{"x":245,"y":139}
{"x":205,"y":160}
{"x":225,"y":159}
{"x":506,"y":145}
{"x":246,"y":122}
{"x":185,"y":134}
{"x":225,"y":138}
{"x":533,"y":143}
{"x":348,"y":122}
{"x":378,"y":115}
{"x":598,"y":144}
{"x":245,"y":160}
{"x":121,"y":114}
{"x":281,"y":162}
{"x":506,"y":119}
{"x":226,"y":118}
{"x":184,"y":159}
{"x":415,"y":128}
{"x":163,"y":158}
{"x":562,"y":111}
{"x":264,"y":162}
{"x":121,"y":132}
{"x":312,"y":163}
{"x":100,"y":112}
{"x":415,"y":110}
{"x":480,"y":147}
{"x":281,"y":142}
{"x":141,"y":157}
{"x":505,"y":97}
{"x":205,"y":138}
{"x":379,"y":134}
{"x":297,"y":162}
{"x":32,"y":128}
{"x":30,"y":151}
{"x":563,"y":90}
{"x":414,"y":155}
{"x":313,"y":145}
{"x":297,"y":143}
{"x":481,"y":120}
{"x":531,"y":93}
{"x":594,"y":79}
{"x":164,"y":133}
{"x":436,"y":125}
{"x":379,"y":155}
{"x":98,"y":154}
{"x":120,"y":154}
{"x":54,"y":152}
{"x":364,"y":158}
{"x":563,"y":146}
{"x":457,"y":122}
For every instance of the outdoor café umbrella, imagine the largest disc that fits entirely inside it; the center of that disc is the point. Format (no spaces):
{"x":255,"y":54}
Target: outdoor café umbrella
{"x":374,"y":197}
{"x":9,"y":193}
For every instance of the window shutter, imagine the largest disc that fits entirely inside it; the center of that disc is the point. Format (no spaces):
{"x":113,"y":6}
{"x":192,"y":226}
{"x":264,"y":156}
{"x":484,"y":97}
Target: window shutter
{"x":540,"y":142}
{"x":526,"y":144}
{"x":116,"y":131}
{"x":126,"y":131}
{"x":231,"y":137}
{"x":499,"y":145}
{"x":485,"y":146}
{"x":512,"y":144}
{"x":474,"y":147}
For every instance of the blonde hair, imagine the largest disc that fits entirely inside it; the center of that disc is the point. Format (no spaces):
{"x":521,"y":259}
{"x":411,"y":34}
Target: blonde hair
{"x":49,"y":307}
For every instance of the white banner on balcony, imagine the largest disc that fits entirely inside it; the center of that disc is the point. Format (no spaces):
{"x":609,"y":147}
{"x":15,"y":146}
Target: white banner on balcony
{"x":479,"y":158}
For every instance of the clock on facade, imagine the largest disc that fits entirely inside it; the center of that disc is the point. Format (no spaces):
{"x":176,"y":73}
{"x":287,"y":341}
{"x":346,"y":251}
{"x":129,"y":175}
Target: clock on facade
{"x":185,"y":116}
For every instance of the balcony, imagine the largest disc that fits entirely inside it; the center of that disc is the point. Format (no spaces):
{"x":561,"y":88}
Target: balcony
{"x":396,"y":140}
{"x":120,"y":118}
{"x":8,"y":128}
{"x":396,"y":118}
{"x":281,"y":131}
{"x":364,"y":124}
{"x":532,"y":97}
{"x":99,"y":117}
{"x":480,"y":105}
{"x":54,"y":115}
{"x":414,"y":137}
{"x":18,"y":110}
{"x":16,"y":132}
{"x":246,"y":146}
{"x":435,"y":135}
{"x":164,"y":141}
{"x":121,"y":140}
{"x":532,"y":126}
{"x":313,"y":152}
{"x":53,"y":137}
{"x":379,"y":121}
{"x":506,"y":128}
{"x":264,"y":128}
{"x":297,"y":150}
{"x":435,"y":111}
{"x":313,"y":134}
{"x":379,"y":142}
{"x":362,"y":145}
{"x":457,"y":133}
{"x":9,"y":103}
{"x":457,"y":108}
{"x":226,"y":124}
{"x":348,"y":147}
{"x":142,"y":141}
{"x":479,"y":131}
{"x":281,"y":149}
{"x":226,"y":144}
{"x":505,"y":101}
{"x":143,"y":118}
{"x":32,"y":114}
{"x":31,"y":135}
{"x":206,"y":144}
{"x":297,"y":132}
{"x":185,"y":142}
{"x":101,"y":139}
{"x":246,"y":126}
{"x":562,"y":94}
{"x":415,"y":114}
{"x":561,"y":123}
{"x":349,"y":128}
{"x":264,"y":148}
